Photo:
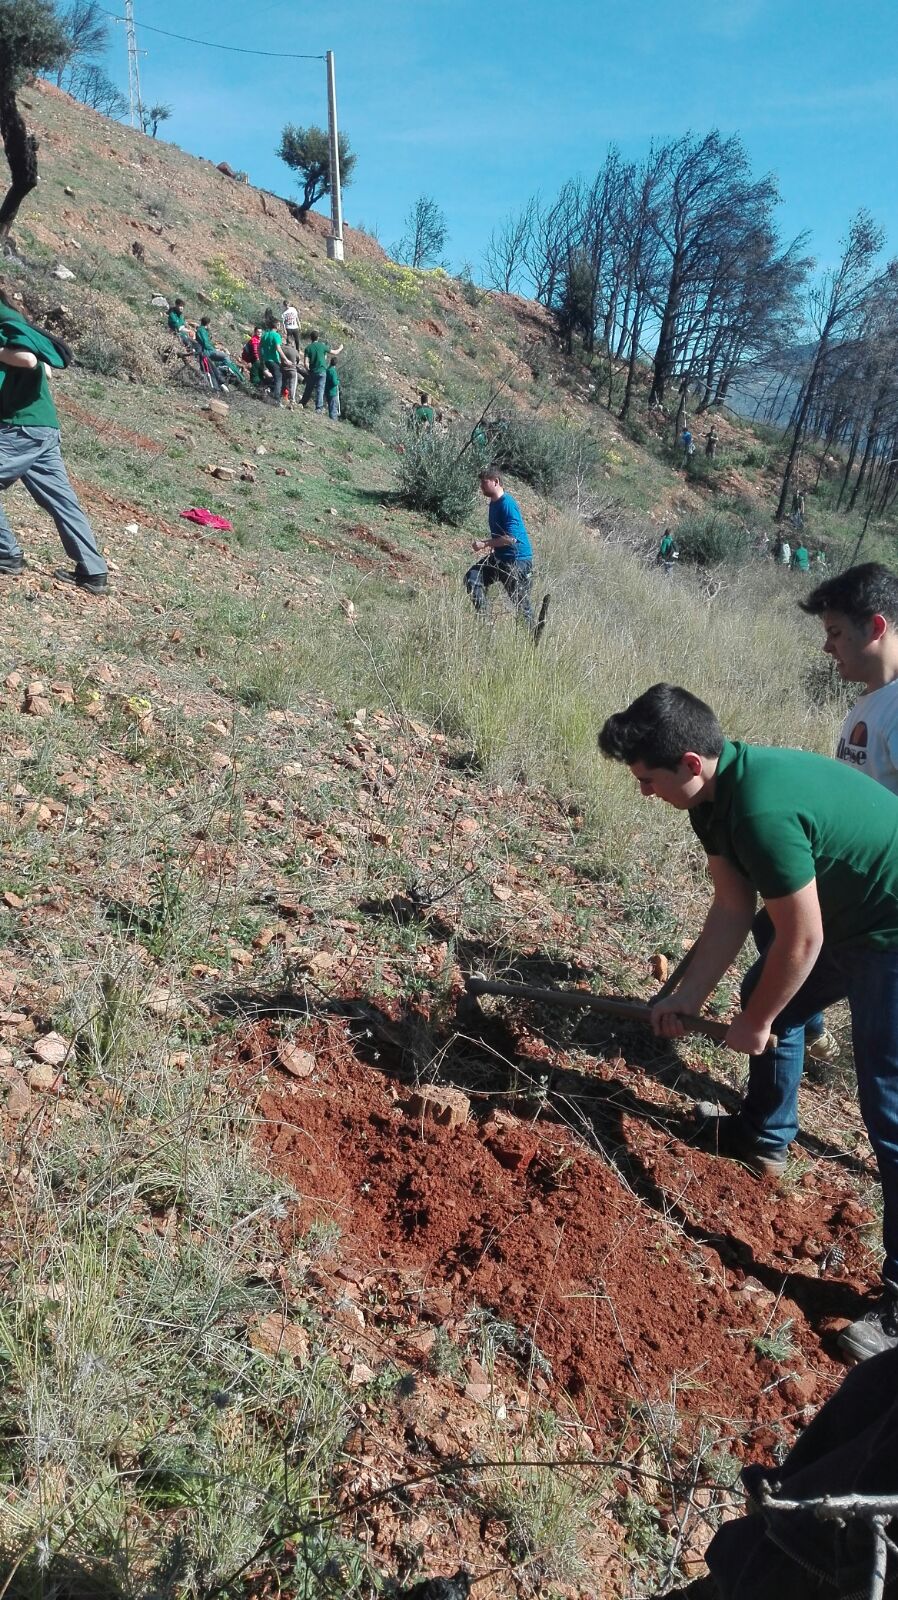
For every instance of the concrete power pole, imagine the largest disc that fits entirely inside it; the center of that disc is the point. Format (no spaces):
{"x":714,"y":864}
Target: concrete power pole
{"x":335,"y":242}
{"x":134,"y":100}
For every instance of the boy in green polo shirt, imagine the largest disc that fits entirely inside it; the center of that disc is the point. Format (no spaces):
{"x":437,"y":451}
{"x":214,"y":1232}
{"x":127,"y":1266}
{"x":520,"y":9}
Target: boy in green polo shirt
{"x":332,"y":390}
{"x":30,"y":453}
{"x":819,"y":843}
{"x":423,"y":414}
{"x":316,"y":353}
{"x":270,"y":355}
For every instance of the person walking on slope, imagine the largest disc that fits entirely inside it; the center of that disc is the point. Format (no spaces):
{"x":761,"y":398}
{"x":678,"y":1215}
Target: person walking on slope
{"x":423,"y":416}
{"x":30,"y":453}
{"x":801,"y":558}
{"x":290,"y":320}
{"x":317,"y":353}
{"x":509,"y":553}
{"x":667,"y":552}
{"x":819,"y":844}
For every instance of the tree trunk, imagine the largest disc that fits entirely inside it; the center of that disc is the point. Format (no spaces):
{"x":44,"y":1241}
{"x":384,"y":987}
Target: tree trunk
{"x":852,"y":453}
{"x":20,"y":147}
{"x":802,"y":412}
{"x":663,"y":364}
{"x":634,"y":352}
{"x":872,"y":439}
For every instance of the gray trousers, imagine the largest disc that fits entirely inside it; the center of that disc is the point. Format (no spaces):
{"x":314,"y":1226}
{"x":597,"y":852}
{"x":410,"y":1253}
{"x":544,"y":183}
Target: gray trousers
{"x":32,"y":456}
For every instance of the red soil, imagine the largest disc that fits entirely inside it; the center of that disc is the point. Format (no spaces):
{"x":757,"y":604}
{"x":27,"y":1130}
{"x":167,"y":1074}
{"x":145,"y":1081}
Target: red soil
{"x":644,"y":1283}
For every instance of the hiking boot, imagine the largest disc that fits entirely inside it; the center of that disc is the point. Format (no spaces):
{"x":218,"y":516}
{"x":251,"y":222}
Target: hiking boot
{"x":11,"y":566}
{"x":728,"y":1136}
{"x":876,"y":1332}
{"x":824,"y":1048}
{"x":89,"y":583}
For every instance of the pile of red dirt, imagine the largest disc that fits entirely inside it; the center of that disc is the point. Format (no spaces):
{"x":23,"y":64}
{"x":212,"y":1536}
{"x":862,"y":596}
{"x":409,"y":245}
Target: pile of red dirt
{"x":648,"y":1274}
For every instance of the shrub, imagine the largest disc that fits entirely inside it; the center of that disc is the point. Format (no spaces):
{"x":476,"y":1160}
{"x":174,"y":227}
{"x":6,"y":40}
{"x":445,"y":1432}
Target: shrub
{"x":100,"y":354}
{"x":227,"y":290}
{"x":434,"y":476}
{"x":543,"y":455}
{"x":363,"y":398}
{"x":711,"y":540}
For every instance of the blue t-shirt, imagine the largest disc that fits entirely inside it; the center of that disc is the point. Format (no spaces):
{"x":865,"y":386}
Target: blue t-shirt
{"x":505,"y":517}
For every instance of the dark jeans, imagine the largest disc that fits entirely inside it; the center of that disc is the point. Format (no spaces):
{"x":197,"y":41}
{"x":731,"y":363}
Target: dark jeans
{"x":516,"y":578}
{"x":868,"y":980}
{"x":276,"y":374}
{"x":292,"y":337}
{"x":314,"y":385}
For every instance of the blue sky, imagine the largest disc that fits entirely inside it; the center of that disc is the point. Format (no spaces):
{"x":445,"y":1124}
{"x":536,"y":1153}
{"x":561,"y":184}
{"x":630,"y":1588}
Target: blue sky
{"x":479,"y":105}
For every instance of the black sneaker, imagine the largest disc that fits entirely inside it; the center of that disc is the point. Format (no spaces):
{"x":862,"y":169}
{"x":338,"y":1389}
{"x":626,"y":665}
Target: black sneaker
{"x":11,"y":566}
{"x":91,"y":583}
{"x":876,"y":1332}
{"x":728,"y":1136}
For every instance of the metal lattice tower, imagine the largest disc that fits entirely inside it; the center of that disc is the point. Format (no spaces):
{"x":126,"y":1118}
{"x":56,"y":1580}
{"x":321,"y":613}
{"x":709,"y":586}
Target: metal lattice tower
{"x":134,"y":100}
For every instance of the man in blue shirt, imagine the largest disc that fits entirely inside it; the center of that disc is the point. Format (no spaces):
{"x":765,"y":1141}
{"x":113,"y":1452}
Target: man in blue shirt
{"x":509,"y":557}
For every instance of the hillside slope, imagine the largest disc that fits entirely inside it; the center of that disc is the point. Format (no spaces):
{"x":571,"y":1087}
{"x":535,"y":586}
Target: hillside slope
{"x":317,"y":1272}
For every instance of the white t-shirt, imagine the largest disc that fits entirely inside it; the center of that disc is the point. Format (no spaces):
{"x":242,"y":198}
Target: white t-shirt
{"x":290,"y":318}
{"x":868,"y":738}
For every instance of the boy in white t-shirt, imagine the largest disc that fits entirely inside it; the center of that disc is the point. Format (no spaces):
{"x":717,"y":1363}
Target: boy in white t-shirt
{"x":859,"y":611}
{"x":290,"y":320}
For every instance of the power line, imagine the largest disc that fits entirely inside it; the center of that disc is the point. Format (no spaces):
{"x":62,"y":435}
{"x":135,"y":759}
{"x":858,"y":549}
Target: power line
{"x":211,"y":44}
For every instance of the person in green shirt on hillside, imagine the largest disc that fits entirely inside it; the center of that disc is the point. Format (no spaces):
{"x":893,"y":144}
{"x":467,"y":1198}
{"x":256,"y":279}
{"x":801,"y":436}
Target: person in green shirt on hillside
{"x":30,"y":453}
{"x":177,"y":321}
{"x":667,"y":552}
{"x":332,"y":390}
{"x":801,"y":557}
{"x":316,"y":353}
{"x":818,"y":842}
{"x":423,"y":413}
{"x":271,"y":355}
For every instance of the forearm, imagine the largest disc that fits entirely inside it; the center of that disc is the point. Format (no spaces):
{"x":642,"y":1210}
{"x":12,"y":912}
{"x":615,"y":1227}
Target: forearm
{"x":17,"y":358}
{"x":716,"y":948}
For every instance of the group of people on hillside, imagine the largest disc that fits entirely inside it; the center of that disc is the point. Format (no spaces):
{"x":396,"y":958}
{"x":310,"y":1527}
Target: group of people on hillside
{"x":271,"y":357}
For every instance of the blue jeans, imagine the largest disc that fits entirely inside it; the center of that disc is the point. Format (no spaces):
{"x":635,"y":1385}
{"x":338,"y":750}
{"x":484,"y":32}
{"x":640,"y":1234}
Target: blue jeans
{"x":868,"y":980}
{"x":314,"y":385}
{"x":516,"y":578}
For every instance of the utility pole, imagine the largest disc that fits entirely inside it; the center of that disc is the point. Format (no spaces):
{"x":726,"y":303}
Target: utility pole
{"x":134,"y":100}
{"x":335,"y":242}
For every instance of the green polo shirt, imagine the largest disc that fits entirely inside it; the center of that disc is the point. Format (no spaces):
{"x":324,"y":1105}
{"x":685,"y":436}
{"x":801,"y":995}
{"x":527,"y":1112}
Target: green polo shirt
{"x":424,"y":416}
{"x":316,"y":355}
{"x":270,"y":347}
{"x":785,"y":817}
{"x":331,"y":381}
{"x":205,"y":341}
{"x":25,"y":399}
